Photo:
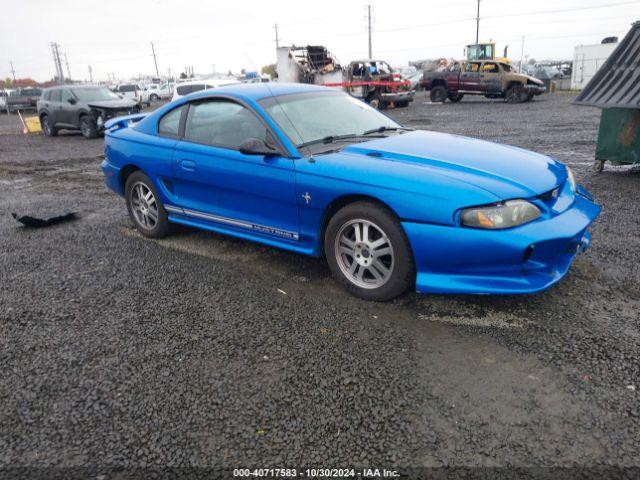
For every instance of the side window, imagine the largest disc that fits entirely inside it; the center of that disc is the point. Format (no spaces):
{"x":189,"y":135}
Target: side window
{"x":490,"y":68}
{"x":56,"y":95}
{"x":170,"y":123}
{"x":183,"y":89}
{"x":471,"y":67}
{"x":66,"y":95}
{"x":223,"y":123}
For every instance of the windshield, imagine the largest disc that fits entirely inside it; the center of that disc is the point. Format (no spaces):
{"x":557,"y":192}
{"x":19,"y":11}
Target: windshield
{"x":309,"y":117}
{"x":94,"y":94}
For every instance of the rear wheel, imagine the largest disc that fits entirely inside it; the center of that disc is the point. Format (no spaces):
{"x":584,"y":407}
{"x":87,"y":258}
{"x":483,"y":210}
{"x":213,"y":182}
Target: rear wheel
{"x":368,"y":252}
{"x":47,"y":127}
{"x":154,"y":98}
{"x":144,"y":206}
{"x":88,"y":127}
{"x":438,"y":94}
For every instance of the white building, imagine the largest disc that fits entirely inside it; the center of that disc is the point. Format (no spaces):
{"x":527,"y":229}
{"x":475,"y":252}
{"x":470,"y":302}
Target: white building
{"x":587,"y":59}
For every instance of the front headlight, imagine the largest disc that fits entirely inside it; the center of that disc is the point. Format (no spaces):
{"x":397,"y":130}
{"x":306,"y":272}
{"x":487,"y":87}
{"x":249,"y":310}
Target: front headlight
{"x":571,"y":179}
{"x":509,"y":214}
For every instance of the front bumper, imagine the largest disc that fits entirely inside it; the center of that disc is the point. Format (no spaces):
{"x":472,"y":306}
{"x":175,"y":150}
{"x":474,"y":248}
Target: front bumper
{"x":525,"y":259}
{"x":535,"y":89}
{"x":404,"y":96}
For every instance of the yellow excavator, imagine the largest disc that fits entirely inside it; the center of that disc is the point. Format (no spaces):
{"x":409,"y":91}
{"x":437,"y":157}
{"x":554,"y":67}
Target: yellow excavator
{"x":485,"y":51}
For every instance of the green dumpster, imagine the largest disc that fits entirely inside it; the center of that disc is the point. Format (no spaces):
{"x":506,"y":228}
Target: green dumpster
{"x":619,"y":136}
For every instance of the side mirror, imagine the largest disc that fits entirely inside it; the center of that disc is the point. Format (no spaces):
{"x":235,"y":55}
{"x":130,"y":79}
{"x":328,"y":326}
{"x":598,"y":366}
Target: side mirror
{"x":72,"y":101}
{"x":255,"y":146}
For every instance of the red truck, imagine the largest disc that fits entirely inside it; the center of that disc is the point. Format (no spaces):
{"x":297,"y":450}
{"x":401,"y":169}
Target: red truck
{"x":491,"y":78}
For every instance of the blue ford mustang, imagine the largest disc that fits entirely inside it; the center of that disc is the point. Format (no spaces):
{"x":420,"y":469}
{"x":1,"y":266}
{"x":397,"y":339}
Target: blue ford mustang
{"x":313,"y":170}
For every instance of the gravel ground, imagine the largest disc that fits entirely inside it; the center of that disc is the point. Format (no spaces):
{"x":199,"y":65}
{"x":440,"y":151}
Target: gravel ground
{"x":120,"y":352}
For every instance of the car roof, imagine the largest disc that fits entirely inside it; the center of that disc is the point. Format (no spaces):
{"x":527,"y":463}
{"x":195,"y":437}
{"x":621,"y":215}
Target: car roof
{"x":258,"y":91}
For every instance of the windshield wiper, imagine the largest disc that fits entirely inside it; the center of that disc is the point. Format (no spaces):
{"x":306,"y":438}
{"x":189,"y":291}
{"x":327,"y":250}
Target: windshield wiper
{"x":384,"y":128}
{"x":327,"y":139}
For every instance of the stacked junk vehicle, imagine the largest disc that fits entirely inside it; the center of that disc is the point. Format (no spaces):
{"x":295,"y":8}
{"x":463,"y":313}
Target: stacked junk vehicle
{"x":373,"y":81}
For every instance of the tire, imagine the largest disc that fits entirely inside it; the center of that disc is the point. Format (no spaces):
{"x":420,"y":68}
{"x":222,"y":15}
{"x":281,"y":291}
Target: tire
{"x":48,"y":129}
{"x":88,"y":127}
{"x":438,"y":94}
{"x":374,"y":277}
{"x":515,"y":94}
{"x":138,"y":187}
{"x":456,"y":98}
{"x":154,"y":98}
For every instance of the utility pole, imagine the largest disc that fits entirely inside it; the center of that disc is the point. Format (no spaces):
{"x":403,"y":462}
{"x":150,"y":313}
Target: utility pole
{"x":275,"y":27}
{"x":214,"y":69}
{"x":521,"y":53}
{"x":66,"y":61}
{"x":369,"y":29}
{"x":90,"y":74}
{"x":57,"y":62}
{"x":478,"y":22}
{"x":154,"y":59}
{"x":13,"y":72}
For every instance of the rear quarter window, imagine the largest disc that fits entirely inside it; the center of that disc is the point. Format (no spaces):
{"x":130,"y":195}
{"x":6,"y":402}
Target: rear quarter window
{"x":127,"y":88}
{"x":170,"y":123}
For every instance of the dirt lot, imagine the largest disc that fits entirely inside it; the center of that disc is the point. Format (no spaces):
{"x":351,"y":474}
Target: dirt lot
{"x":122,"y":352}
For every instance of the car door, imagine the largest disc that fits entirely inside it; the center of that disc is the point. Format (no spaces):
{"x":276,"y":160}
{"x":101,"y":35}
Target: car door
{"x":470,"y":77}
{"x":215,"y":182}
{"x":68,"y":109}
{"x":490,"y":77}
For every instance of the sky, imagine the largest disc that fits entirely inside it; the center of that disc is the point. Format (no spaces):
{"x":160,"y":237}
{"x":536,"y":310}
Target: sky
{"x":114,"y":37}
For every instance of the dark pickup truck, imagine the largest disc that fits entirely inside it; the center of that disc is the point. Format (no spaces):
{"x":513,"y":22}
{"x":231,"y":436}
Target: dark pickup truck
{"x":23,"y":99}
{"x":490,"y":78}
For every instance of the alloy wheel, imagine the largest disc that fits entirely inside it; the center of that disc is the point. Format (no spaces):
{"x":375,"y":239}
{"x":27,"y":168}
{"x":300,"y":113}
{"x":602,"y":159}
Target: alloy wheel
{"x":144,"y":206}
{"x":364,"y":253}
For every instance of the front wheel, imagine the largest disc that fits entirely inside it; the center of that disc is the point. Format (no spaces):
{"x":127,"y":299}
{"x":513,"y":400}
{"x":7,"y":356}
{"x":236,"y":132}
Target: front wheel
{"x":368,"y":252}
{"x":144,"y":206}
{"x":456,"y":98}
{"x":516,"y":94}
{"x":88,"y":127}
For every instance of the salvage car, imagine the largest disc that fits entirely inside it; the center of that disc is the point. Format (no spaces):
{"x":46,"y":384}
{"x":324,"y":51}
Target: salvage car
{"x":493,"y":79}
{"x":84,"y":108}
{"x":371,"y":80}
{"x":23,"y":99}
{"x":389,"y":207}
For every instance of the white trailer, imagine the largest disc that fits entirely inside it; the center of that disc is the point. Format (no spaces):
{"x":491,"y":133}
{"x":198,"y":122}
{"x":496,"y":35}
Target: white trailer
{"x":587,"y":59}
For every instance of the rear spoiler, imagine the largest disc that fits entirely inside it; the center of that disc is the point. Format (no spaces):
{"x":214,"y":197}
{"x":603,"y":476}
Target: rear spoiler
{"x":123,"y":122}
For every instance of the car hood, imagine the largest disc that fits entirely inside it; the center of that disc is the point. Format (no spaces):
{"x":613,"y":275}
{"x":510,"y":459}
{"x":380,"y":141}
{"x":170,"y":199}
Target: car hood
{"x":504,"y":171}
{"x":122,"y":104}
{"x":535,"y":80}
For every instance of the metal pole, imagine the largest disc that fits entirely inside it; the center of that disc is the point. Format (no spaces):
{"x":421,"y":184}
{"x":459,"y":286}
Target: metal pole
{"x":521,"y":53}
{"x":154,"y":60}
{"x":13,"y":72}
{"x":90,"y":74}
{"x":66,"y":61}
{"x":478,"y":22}
{"x":275,"y":26}
{"x":369,"y":29}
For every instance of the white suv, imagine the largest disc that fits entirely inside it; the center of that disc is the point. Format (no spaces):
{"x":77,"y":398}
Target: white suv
{"x":134,"y":92}
{"x":185,"y":88}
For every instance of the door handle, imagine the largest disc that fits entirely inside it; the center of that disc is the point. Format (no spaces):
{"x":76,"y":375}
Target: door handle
{"x":188,"y":165}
